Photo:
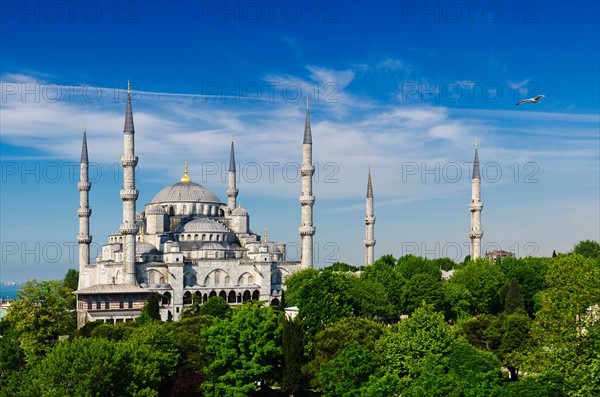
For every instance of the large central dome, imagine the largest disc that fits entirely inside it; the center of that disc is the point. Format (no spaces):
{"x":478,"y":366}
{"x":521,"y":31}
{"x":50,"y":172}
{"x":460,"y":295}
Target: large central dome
{"x":186,"y":192}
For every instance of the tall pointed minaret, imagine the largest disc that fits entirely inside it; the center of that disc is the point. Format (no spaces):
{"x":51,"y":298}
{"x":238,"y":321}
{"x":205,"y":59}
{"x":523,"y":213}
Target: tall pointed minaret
{"x":84,"y":212}
{"x":370,"y":224}
{"x":476,"y":206}
{"x":307,"y":200}
{"x":129,"y":195}
{"x":232,"y":191}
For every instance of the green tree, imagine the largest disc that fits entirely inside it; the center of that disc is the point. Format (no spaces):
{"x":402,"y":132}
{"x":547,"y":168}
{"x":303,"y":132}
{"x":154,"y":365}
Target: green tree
{"x":246,"y":349}
{"x":152,"y":357}
{"x":293,"y":355}
{"x":323,"y":298}
{"x":483,"y":280}
{"x":12,"y":359}
{"x":588,"y":249}
{"x":151,"y":309}
{"x":71,"y":279}
{"x":512,"y":296}
{"x":295,"y":284}
{"x":216,"y":307}
{"x":422,"y":287}
{"x":385,"y":272}
{"x":41,"y":313}
{"x":345,"y":375}
{"x":529,"y":272}
{"x":83,"y":367}
{"x":193,"y":356}
{"x":566,"y":331}
{"x":329,"y":342}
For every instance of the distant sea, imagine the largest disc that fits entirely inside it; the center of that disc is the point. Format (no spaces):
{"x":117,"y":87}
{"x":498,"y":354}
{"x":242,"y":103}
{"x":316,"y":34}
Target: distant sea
{"x":9,"y":291}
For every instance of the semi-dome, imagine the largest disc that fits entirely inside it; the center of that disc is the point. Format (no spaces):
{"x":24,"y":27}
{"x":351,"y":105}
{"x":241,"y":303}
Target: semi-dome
{"x":202,"y":225}
{"x":185,"y":192}
{"x":155,"y":210}
{"x":143,"y":247}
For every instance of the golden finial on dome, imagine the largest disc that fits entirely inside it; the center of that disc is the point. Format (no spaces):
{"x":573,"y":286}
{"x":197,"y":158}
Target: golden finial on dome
{"x":185,"y":177}
{"x":266,"y":240}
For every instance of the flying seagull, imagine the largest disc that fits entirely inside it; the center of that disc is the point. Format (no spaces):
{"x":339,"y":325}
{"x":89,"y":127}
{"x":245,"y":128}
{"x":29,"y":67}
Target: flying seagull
{"x":531,"y":100}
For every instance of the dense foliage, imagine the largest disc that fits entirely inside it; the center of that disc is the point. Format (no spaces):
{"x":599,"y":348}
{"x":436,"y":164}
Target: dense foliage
{"x":516,"y":327}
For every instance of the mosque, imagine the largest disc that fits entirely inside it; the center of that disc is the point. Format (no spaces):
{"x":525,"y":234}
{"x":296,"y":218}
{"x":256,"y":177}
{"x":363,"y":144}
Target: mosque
{"x":186,"y":243}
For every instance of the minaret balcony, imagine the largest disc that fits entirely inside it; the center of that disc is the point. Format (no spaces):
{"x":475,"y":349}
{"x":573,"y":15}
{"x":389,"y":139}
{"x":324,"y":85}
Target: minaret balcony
{"x":369,"y":243}
{"x":232,"y":192}
{"x":476,"y":206}
{"x":84,"y":212}
{"x":84,"y":239}
{"x":129,"y":194}
{"x":128,"y":228}
{"x":129,"y":161}
{"x":307,"y":230}
{"x":307,"y":200}
{"x":84,"y":186}
{"x":476,"y":233}
{"x":307,"y":170}
{"x":369,"y":220}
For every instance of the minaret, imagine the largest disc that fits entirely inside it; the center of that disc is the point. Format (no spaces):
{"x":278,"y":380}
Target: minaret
{"x":232,"y":191}
{"x":307,"y":200}
{"x":84,"y":211}
{"x":370,"y":224}
{"x":129,"y":195}
{"x":476,"y":206}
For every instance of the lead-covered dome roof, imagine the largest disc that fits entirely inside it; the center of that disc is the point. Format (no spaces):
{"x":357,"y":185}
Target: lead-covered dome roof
{"x":200,"y":225}
{"x":185,"y":192}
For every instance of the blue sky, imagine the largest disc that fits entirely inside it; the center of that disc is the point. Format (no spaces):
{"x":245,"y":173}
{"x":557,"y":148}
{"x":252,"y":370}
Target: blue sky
{"x":403,"y":86}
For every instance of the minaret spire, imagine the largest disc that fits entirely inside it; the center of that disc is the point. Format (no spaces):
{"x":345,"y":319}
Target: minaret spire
{"x":129,"y":194}
{"x":370,"y":224}
{"x":476,"y":206}
{"x":84,"y":212}
{"x":307,"y":200}
{"x":232,"y":191}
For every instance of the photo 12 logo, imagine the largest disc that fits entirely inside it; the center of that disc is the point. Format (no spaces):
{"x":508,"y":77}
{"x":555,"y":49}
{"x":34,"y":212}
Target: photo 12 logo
{"x":469,"y":11}
{"x":453,"y":172}
{"x":269,"y":12}
{"x":457,"y":251}
{"x":69,"y":11}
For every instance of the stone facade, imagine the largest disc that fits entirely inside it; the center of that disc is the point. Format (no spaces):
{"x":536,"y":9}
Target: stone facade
{"x":184,"y":243}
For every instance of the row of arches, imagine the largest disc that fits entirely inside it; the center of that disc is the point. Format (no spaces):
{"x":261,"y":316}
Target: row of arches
{"x":231,"y":297}
{"x":204,"y":237}
{"x":193,"y":209}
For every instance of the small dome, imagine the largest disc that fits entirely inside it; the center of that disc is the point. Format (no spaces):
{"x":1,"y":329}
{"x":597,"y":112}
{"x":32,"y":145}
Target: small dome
{"x":201,"y":225}
{"x":156,"y":210}
{"x":212,"y":245}
{"x":239,"y":211}
{"x":143,"y":247}
{"x":186,"y":192}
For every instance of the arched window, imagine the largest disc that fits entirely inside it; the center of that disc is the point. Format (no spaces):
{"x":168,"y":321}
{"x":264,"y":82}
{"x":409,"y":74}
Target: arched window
{"x":275,"y":302}
{"x":246,"y":296}
{"x":231,"y":297}
{"x":204,"y":298}
{"x":195,"y":237}
{"x":256,"y":295}
{"x":187,"y":298}
{"x":212,"y":293}
{"x":223,"y":295}
{"x":166,"y":298}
